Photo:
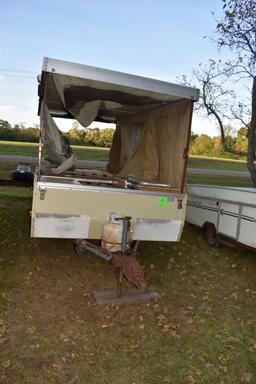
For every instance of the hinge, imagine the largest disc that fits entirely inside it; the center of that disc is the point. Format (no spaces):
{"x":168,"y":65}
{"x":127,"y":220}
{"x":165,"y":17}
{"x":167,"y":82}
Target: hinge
{"x":179,"y":201}
{"x":185,"y":153}
{"x":42,"y":191}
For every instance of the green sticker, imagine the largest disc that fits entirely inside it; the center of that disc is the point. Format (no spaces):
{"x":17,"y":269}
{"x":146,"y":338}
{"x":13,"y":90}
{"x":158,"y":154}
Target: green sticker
{"x":163,"y":202}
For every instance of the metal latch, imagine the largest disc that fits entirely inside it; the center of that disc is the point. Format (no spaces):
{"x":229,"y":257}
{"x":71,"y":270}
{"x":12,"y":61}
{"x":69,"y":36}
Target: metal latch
{"x":42,"y":191}
{"x":179,"y":201}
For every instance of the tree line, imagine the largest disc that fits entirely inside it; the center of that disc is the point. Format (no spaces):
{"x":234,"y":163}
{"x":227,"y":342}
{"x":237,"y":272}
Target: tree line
{"x":204,"y":145}
{"x":78,"y":136}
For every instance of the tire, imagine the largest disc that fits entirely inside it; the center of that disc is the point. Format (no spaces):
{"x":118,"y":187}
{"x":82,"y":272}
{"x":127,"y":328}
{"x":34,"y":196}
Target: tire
{"x":211,"y":235}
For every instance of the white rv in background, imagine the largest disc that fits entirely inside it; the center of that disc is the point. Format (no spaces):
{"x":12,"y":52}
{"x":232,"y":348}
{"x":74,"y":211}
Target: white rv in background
{"x":223,"y":212}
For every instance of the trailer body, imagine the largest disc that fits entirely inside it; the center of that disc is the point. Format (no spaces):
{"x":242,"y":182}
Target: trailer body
{"x":153,"y":121}
{"x":231,"y":210}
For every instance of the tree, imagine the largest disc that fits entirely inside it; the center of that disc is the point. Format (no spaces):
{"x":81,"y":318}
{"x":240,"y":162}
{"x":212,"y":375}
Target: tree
{"x":93,"y":136}
{"x":4,"y":124}
{"x":105,"y":137}
{"x":215,"y":96}
{"x":74,"y":134}
{"x":193,"y":137}
{"x":237,"y":31}
{"x":217,"y":100}
{"x":241,"y":144}
{"x":5,"y":130}
{"x":202,"y":145}
{"x":31,"y":134}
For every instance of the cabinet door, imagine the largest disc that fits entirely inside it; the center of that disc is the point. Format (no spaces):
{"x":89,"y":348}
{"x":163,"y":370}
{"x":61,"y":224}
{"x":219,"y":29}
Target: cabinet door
{"x":247,"y":230}
{"x":228,"y":219}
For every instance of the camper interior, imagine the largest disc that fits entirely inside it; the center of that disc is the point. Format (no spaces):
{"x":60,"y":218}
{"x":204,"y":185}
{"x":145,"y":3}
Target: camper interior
{"x":152,"y":118}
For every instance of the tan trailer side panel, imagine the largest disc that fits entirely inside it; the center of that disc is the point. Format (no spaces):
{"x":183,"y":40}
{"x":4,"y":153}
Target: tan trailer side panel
{"x":70,"y":212}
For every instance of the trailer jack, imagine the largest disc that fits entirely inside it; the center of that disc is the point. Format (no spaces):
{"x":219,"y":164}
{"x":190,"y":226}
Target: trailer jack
{"x":124,"y":261}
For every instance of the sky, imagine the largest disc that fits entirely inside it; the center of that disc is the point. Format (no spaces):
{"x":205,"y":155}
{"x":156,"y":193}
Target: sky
{"x":154,"y":38}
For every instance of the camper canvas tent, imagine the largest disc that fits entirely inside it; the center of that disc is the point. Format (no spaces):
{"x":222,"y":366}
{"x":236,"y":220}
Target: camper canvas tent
{"x":150,"y":146}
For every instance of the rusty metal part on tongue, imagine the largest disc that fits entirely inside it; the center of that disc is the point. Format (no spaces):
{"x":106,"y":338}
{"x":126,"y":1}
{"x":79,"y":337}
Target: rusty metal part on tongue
{"x":133,"y":271}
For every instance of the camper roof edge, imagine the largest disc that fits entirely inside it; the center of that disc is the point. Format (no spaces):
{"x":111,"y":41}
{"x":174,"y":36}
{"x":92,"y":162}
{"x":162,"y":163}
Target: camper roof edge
{"x":115,"y":77}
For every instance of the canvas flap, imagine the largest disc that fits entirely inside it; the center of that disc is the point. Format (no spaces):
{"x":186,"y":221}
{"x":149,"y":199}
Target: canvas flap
{"x":158,"y":152}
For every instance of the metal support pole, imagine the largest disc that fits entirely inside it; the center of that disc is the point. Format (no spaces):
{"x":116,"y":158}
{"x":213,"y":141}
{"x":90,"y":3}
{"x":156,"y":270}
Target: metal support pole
{"x":125,"y":238}
{"x":125,"y":233}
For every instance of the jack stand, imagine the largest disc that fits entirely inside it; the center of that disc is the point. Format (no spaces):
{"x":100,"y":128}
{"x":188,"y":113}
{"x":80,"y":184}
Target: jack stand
{"x":125,"y":238}
{"x":130,"y":295}
{"x":125,"y":264}
{"x":119,"y":278}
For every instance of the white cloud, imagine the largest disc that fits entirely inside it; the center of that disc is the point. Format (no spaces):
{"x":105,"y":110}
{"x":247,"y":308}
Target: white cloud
{"x":65,"y":124}
{"x":206,"y":126}
{"x":6,"y":109}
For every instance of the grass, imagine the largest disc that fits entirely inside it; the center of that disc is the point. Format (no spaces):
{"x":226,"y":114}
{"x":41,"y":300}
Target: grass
{"x":97,"y":153}
{"x":201,"y":330}
{"x":216,"y":163}
{"x":228,"y":181}
{"x":31,"y":149}
{"x":7,"y":166}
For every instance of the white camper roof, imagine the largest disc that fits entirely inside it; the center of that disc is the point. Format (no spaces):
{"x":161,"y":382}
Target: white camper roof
{"x":70,"y":84}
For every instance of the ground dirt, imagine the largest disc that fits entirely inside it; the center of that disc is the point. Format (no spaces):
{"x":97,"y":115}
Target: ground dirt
{"x":201,"y":330}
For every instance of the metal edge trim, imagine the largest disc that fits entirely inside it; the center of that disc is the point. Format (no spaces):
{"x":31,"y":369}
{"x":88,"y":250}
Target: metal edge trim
{"x":74,"y":187}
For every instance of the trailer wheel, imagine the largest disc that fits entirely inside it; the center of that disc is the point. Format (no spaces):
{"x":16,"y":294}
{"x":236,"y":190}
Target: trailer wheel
{"x":211,"y":235}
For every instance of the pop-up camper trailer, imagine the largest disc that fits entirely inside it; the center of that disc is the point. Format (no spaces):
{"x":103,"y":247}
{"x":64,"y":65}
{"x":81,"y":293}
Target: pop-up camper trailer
{"x":146,"y":171}
{"x":227,"y":214}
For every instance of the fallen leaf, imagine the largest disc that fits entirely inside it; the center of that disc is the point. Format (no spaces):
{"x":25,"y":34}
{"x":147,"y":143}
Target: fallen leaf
{"x":6,"y":363}
{"x":2,"y":328}
{"x":174,"y":334}
{"x":191,"y":380}
{"x":64,"y":338}
{"x":31,"y":330}
{"x":246,"y":377}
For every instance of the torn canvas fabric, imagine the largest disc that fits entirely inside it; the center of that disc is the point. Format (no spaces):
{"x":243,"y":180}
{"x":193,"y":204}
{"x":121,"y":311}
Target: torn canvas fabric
{"x":55,"y":144}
